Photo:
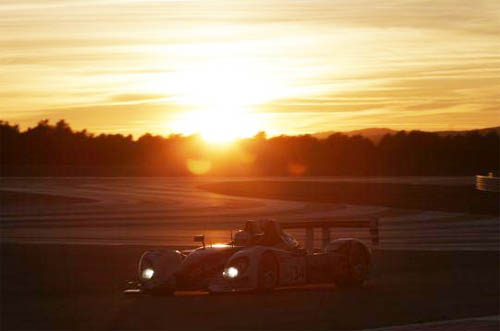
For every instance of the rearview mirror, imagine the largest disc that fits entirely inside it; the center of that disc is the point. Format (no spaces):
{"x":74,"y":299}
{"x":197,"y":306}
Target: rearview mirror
{"x":200,"y":239}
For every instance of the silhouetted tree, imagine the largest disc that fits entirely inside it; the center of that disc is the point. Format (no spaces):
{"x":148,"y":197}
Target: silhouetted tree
{"x":48,"y":149}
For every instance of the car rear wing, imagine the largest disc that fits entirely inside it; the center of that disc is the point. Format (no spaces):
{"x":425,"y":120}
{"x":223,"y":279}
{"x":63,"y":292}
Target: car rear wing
{"x":369,"y":222}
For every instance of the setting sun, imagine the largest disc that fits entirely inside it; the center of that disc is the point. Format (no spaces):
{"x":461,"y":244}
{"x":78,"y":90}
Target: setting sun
{"x":218,"y":126}
{"x":223,"y":92}
{"x":223,"y":127}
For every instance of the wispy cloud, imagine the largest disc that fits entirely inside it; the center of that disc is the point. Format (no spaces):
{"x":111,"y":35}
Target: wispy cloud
{"x":136,"y":97}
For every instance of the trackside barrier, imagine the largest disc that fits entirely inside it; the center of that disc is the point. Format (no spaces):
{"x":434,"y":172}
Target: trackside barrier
{"x":369,"y":222}
{"x":488,"y":183}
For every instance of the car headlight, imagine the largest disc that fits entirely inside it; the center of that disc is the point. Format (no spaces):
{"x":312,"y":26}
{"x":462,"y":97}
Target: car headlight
{"x":236,"y":268}
{"x":147,"y":273}
{"x":232,"y":272}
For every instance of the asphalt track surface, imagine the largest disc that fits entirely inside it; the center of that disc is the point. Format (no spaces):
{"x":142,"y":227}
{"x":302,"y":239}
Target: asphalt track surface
{"x":169,"y":211}
{"x":78,"y":287}
{"x":65,"y":258}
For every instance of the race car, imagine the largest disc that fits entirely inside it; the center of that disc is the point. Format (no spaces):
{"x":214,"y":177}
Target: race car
{"x":260,"y":257}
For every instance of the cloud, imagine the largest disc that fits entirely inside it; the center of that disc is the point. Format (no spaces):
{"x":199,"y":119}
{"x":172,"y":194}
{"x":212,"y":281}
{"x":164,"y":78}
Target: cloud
{"x":136,"y":97}
{"x":134,"y":118}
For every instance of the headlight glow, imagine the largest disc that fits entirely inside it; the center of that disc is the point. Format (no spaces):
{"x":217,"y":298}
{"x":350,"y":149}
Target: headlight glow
{"x":148,"y":273}
{"x":232,"y":272}
{"x":237,"y":267}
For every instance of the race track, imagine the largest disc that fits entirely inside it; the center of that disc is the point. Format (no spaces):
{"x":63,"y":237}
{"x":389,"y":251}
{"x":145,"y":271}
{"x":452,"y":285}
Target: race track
{"x":69,"y":244}
{"x":169,"y":211}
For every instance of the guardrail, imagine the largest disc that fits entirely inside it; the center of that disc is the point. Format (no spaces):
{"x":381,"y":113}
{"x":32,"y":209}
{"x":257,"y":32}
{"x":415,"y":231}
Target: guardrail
{"x":488,"y":183}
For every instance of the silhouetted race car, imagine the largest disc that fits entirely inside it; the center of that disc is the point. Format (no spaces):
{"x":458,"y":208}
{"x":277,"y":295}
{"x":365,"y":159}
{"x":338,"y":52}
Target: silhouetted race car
{"x":260,"y":257}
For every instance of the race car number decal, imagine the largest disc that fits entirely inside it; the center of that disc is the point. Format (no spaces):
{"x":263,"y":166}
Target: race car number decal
{"x":295,"y":272}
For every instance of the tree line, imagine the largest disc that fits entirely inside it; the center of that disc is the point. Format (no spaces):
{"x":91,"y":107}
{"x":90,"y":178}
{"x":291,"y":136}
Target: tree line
{"x":57,"y":150}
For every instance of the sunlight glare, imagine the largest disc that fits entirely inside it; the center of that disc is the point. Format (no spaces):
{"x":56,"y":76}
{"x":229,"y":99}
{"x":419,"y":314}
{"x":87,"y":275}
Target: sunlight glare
{"x":221,"y":94}
{"x":198,"y":166}
{"x":227,"y":84}
{"x":218,"y":126}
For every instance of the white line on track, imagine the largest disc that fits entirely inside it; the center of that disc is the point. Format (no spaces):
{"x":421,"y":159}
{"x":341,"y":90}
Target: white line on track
{"x":486,"y":323}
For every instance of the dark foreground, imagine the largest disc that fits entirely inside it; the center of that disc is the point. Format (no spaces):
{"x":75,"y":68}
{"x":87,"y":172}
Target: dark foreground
{"x":78,"y":287}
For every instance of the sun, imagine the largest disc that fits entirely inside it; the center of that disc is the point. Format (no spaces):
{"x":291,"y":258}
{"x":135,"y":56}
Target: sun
{"x":219,"y":126}
{"x":221,"y":95}
{"x":219,"y":130}
{"x":222,"y":127}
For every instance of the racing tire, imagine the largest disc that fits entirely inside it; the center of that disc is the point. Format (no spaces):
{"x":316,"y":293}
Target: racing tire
{"x":268,"y":273}
{"x":352,"y":268}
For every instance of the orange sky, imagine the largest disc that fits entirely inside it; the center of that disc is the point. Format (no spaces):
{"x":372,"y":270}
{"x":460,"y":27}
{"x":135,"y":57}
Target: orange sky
{"x":232,"y":68}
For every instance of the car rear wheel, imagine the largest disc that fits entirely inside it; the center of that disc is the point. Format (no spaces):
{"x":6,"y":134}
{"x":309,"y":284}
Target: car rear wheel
{"x":268,"y":272}
{"x":353,"y":267}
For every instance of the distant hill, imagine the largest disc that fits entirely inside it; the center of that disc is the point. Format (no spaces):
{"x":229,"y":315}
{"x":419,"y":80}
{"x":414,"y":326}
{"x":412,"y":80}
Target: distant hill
{"x":376,"y":134}
{"x":481,"y":131}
